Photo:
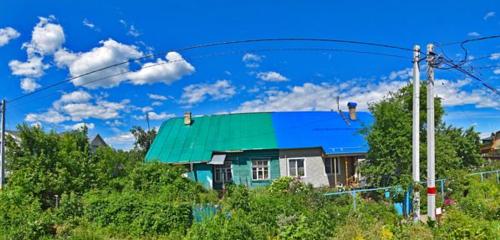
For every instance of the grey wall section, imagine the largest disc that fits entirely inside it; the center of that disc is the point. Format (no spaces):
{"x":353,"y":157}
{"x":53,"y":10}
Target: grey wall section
{"x":314,"y":165}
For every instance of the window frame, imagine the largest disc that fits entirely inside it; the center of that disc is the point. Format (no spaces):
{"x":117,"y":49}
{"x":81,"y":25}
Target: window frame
{"x":261,"y":168}
{"x":296,"y":167}
{"x":333,"y":160}
{"x":226,"y":168}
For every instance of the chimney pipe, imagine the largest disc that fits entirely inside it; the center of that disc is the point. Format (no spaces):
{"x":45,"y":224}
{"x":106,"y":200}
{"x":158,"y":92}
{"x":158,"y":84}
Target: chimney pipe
{"x":352,"y":110}
{"x":187,"y":118}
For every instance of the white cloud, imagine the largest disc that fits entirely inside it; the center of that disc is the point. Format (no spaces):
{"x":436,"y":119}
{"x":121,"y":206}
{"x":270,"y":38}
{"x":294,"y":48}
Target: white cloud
{"x":79,"y":126}
{"x":157,"y":97}
{"x":50,"y":116}
{"x":124,"y":140}
{"x":495,"y":56}
{"x":489,"y":15}
{"x":155,"y":116}
{"x":196,"y":93}
{"x":33,"y":68}
{"x":310,"y":96}
{"x":111,"y":52}
{"x":131,"y":29}
{"x":251,"y":57}
{"x":88,"y":24}
{"x":272,"y":76}
{"x":169,"y":71}
{"x":401,"y":74}
{"x":7,"y":34}
{"x":78,"y":106}
{"x":473,"y":34}
{"x":156,"y":103}
{"x":29,"y":85}
{"x":46,"y":37}
{"x":252,"y":60}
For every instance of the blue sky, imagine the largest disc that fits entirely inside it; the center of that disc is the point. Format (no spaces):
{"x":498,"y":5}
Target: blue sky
{"x":45,"y":42}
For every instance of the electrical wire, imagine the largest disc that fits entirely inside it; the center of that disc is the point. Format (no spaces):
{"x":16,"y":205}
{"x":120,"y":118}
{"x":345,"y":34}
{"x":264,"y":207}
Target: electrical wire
{"x":215,"y":44}
{"x":16,"y":100}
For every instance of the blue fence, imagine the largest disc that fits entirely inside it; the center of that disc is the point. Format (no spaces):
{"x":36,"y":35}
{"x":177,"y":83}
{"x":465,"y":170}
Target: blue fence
{"x":404,"y":207}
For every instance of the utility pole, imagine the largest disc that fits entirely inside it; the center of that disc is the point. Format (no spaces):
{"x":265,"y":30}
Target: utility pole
{"x":147,"y":120}
{"x":431,"y":182}
{"x":416,"y":132}
{"x":2,"y":146}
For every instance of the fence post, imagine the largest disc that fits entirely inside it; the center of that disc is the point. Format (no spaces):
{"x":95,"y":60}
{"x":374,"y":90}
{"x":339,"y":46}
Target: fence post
{"x":498,"y":180}
{"x":442,"y":190}
{"x":353,"y":193}
{"x":482,"y":177}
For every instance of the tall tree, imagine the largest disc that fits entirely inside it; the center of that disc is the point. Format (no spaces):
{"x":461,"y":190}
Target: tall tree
{"x":390,"y":139}
{"x":143,"y":139}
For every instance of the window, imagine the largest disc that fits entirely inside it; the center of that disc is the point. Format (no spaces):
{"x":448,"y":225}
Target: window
{"x":329,"y":168}
{"x":260,"y":169}
{"x":296,"y":167}
{"x":222,"y":173}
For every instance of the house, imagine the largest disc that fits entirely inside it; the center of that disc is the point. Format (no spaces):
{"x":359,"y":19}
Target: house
{"x":320,"y":148}
{"x":490,"y":149}
{"x":97,"y":142}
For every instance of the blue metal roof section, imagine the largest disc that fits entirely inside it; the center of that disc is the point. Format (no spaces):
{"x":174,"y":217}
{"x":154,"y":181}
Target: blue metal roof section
{"x":329,"y":130}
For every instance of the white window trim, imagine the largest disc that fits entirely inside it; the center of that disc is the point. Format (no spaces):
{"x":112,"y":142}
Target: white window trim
{"x":268,"y":168}
{"x":294,"y":159}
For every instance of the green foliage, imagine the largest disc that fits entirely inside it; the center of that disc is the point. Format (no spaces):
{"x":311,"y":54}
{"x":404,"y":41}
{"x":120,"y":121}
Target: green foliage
{"x":144,"y":139}
{"x":390,"y":139}
{"x":458,"y":225}
{"x":22,"y":217}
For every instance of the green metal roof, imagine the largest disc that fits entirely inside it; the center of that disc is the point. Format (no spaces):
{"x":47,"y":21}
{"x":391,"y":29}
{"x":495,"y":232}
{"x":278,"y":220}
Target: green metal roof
{"x":180,"y":143}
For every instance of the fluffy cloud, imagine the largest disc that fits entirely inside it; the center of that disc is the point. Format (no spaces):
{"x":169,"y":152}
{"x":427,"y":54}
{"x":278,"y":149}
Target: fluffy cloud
{"x":310,"y":96}
{"x":79,"y":126}
{"x":157,"y":97}
{"x":495,"y":56}
{"x":78,"y":106}
{"x":401,"y":74}
{"x":196,"y":93}
{"x":272,"y":76}
{"x":111,"y":52}
{"x":156,"y":116}
{"x":171,"y":70}
{"x":46,"y":37}
{"x":29,"y":85}
{"x":124,"y":140}
{"x":489,"y":15}
{"x":50,"y":116}
{"x":7,"y":34}
{"x":33,"y":68}
{"x":473,"y":34}
{"x":252,"y":60}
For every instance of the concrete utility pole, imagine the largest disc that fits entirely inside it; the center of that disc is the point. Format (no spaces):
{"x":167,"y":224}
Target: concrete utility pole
{"x":2,"y":146}
{"x":416,"y":132}
{"x":431,"y":182}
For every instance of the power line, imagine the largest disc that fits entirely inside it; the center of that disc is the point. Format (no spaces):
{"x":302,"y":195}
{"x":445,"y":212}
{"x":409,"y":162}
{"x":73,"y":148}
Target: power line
{"x":15,"y":100}
{"x":485,"y":84}
{"x":214,"y":44}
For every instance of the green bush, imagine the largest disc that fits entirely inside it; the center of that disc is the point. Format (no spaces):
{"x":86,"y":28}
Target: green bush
{"x":458,"y":225}
{"x":22,"y":217}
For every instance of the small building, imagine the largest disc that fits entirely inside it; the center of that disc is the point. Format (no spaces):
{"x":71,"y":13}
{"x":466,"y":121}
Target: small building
{"x":490,"y":148}
{"x":320,"y":148}
{"x":97,"y":142}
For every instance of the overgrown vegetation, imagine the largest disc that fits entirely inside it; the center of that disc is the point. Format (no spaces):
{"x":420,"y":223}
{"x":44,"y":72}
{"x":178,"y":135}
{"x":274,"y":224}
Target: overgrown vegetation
{"x":390,"y":140}
{"x":59,"y":188}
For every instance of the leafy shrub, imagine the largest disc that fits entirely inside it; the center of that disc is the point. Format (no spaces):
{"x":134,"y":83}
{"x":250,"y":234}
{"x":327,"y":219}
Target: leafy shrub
{"x":458,"y":225}
{"x":136,"y":213}
{"x":22,"y":217}
{"x":289,"y":185}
